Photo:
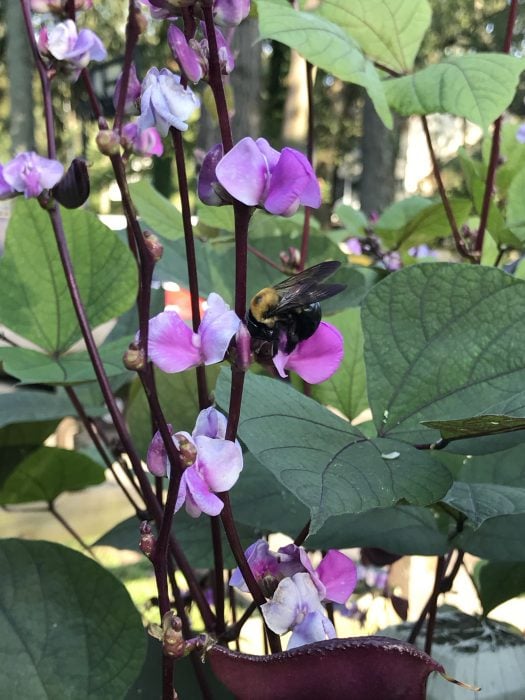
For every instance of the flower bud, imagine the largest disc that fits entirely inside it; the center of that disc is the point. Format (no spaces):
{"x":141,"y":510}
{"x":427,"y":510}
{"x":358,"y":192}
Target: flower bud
{"x":187,"y":54}
{"x":154,"y":246}
{"x":230,"y":13}
{"x":73,"y":189}
{"x":186,"y":448}
{"x":172,"y":640}
{"x":208,"y":188}
{"x":243,"y":343}
{"x":133,"y":358}
{"x":108,"y":142}
{"x":147,"y":539}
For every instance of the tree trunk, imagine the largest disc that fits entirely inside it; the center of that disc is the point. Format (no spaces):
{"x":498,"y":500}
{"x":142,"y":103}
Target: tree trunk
{"x":20,"y":75}
{"x":295,"y":125}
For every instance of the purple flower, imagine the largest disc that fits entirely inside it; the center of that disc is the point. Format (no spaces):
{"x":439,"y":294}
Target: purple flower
{"x":132,"y":94}
{"x":30,"y":174}
{"x":354,"y":246}
{"x":74,"y":49}
{"x":422,"y":251}
{"x":208,"y":188}
{"x":257,"y":175}
{"x":145,"y":143}
{"x":263,"y":563}
{"x":316,"y":358}
{"x":392,"y":261}
{"x":520,"y":134}
{"x":174,"y":347}
{"x":192,"y":55}
{"x":296,"y":607}
{"x":230,"y":13}
{"x":164,"y":102}
{"x":212,"y":464}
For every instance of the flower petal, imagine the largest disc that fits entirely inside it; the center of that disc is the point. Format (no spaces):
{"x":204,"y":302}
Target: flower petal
{"x":219,"y":462}
{"x":243,"y":172}
{"x":280,"y":612}
{"x":157,"y":457}
{"x":338,"y":574}
{"x":172,"y":346}
{"x":316,"y":358}
{"x":211,"y":423}
{"x":218,"y":326}
{"x":314,"y":628}
{"x":292,"y":182}
{"x":199,"y":498}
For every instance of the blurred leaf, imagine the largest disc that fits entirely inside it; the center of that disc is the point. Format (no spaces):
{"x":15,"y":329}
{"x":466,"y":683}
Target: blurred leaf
{"x":68,"y":628}
{"x":325,"y":462}
{"x":497,"y":583}
{"x":479,"y":502}
{"x":326,"y":45}
{"x":216,"y":217}
{"x":48,"y":472}
{"x":499,"y":539}
{"x":24,"y":405}
{"x":387,"y":32}
{"x":35,"y":299}
{"x":358,"y":280}
{"x":478,"y":87}
{"x":352,"y":219}
{"x":449,"y":350}
{"x":516,"y":205}
{"x":475,"y":426}
{"x":156,"y":212}
{"x":346,"y":389}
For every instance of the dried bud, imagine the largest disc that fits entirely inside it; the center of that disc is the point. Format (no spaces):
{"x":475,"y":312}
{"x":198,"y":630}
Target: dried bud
{"x":108,"y":142}
{"x":133,"y":358}
{"x":186,"y":448}
{"x":73,"y":189}
{"x":154,"y":246}
{"x":147,"y":539}
{"x":172,"y":640}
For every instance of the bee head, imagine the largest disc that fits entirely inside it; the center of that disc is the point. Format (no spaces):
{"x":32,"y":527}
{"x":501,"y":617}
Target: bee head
{"x":263,"y":304}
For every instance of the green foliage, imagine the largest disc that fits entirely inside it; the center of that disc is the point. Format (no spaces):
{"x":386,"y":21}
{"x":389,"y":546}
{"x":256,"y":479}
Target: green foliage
{"x":68,"y":628}
{"x":499,"y":582}
{"x":156,"y":211}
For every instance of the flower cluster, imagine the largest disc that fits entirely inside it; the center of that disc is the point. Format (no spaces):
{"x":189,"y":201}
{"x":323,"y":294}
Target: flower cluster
{"x":29,"y":174}
{"x":256,"y":174}
{"x":296,"y":590}
{"x":164,"y":102}
{"x":68,"y":49}
{"x":227,"y":13}
{"x":192,"y":55}
{"x":211,"y":463}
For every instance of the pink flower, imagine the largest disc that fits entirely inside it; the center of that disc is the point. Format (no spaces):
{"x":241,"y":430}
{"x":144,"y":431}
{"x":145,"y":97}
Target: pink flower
{"x":230,"y":13}
{"x":164,"y":102}
{"x":30,"y":174}
{"x":71,"y":48}
{"x":257,"y":175}
{"x":192,"y":55}
{"x":132,"y":93}
{"x":145,"y":143}
{"x":174,"y":347}
{"x":316,"y":358}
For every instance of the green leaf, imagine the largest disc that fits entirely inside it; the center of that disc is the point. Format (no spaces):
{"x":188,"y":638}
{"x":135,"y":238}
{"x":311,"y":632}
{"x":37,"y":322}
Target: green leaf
{"x":475,"y":426}
{"x":410,"y":222}
{"x":326,"y":45}
{"x":516,"y":205}
{"x":352,"y":219}
{"x":35,"y":298}
{"x":325,"y":462}
{"x":346,"y":389}
{"x":24,"y":405}
{"x":478,"y":87}
{"x":48,"y":472}
{"x":506,"y":468}
{"x":216,"y":217}
{"x":437,"y":346}
{"x":359,"y":280}
{"x":497,"y":583}
{"x":34,"y":367}
{"x":68,"y":628}
{"x":156,"y":212}
{"x":479,"y":502}
{"x":178,"y":398}
{"x":399,"y":530}
{"x":388,"y":31}
{"x":498,"y":539}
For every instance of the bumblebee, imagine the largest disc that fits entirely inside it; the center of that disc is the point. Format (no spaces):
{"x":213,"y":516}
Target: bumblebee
{"x":280,"y":317}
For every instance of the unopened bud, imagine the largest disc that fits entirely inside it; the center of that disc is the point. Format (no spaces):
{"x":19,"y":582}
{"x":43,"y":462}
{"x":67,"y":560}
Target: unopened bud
{"x":147,"y":539}
{"x":133,"y":358}
{"x":243,"y":343}
{"x":291,"y":258}
{"x":108,"y":142}
{"x":186,"y":448}
{"x":154,"y":246}
{"x":172,"y":640}
{"x":73,"y":189}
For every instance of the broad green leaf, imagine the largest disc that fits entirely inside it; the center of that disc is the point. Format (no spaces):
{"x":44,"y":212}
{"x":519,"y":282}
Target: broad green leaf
{"x":359,"y":280}
{"x":216,"y":217}
{"x":480,"y":502}
{"x":516,"y":205}
{"x":34,"y":367}
{"x":512,"y":154}
{"x":156,"y":212}
{"x":346,"y":389}
{"x":506,"y":468}
{"x":325,"y":462}
{"x":409,"y":222}
{"x":498,"y":539}
{"x":326,"y":45}
{"x":24,"y":405}
{"x":388,"y":31}
{"x":437,"y":346}
{"x":68,"y":628}
{"x":475,"y":426}
{"x":33,"y":289}
{"x":399,"y":530}
{"x":178,"y":398}
{"x":352,"y":219}
{"x":478,"y":87}
{"x":48,"y":472}
{"x":497,"y":583}
{"x":193,"y":535}
{"x":18,"y":440}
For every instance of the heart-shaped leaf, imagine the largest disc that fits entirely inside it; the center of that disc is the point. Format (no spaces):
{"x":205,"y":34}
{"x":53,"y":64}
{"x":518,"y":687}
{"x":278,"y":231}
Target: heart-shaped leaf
{"x":479,"y":502}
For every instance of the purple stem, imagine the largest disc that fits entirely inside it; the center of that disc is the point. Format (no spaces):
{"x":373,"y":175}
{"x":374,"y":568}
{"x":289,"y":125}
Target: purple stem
{"x":495,"y":146}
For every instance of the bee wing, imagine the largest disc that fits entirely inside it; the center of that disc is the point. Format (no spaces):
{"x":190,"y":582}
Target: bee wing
{"x":301,"y":296}
{"x":315,"y":274}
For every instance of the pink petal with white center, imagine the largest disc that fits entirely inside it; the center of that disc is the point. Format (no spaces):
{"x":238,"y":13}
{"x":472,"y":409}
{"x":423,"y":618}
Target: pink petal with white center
{"x":219,"y":462}
{"x":338,"y":574}
{"x":316,"y":358}
{"x":172,"y":346}
{"x":218,"y":326}
{"x":199,"y":497}
{"x":243,"y":172}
